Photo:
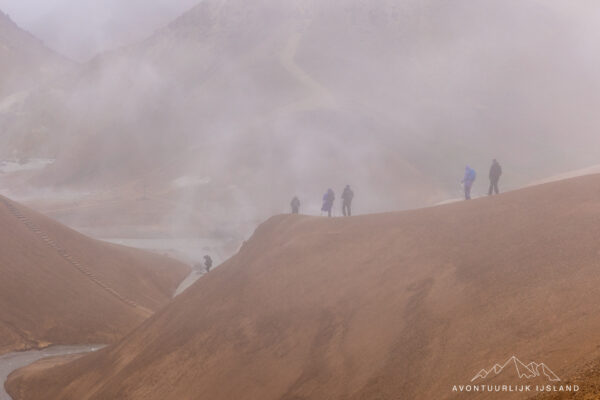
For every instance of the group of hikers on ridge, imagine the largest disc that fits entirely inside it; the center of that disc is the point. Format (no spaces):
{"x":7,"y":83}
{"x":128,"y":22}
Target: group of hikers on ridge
{"x":328,"y":200}
{"x":348,"y":193}
{"x":470,"y":175}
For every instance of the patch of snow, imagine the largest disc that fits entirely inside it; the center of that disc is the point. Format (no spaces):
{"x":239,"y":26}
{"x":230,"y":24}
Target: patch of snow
{"x":449,"y":201}
{"x":31,"y":164}
{"x":594,"y":169}
{"x":190,"y":181}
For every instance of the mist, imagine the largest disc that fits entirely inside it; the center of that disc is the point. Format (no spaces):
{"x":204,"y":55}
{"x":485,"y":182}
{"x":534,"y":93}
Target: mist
{"x":152,"y":148}
{"x":81,"y":29}
{"x":213,"y":122}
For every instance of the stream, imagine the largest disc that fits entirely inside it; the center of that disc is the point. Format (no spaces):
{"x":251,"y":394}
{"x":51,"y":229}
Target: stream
{"x":13,"y":361}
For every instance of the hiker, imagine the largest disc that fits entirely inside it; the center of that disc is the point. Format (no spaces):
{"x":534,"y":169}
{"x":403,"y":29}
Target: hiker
{"x":328,"y":199}
{"x":468,"y":180}
{"x":208,"y":262}
{"x":495,"y":174}
{"x":347,"y":197}
{"x":295,"y":205}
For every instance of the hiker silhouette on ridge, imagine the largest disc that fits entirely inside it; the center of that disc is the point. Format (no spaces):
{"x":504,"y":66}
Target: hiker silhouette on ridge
{"x":295,"y":204}
{"x":208,"y":262}
{"x":495,"y":174}
{"x":347,"y":197}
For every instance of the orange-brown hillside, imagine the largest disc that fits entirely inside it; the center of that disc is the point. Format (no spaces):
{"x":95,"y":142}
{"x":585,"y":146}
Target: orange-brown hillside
{"x":392,"y":306}
{"x":60,"y":287}
{"x":588,"y":380}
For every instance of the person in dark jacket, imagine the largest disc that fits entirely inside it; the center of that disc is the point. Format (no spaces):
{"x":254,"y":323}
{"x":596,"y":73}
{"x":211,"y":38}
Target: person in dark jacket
{"x":295,"y":204}
{"x":208,"y":262}
{"x":347,"y":197}
{"x":495,"y":173}
{"x":468,"y":180}
{"x":328,"y":199}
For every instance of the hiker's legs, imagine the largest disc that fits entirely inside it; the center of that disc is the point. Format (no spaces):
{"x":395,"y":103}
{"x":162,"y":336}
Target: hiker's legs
{"x":329,"y":212}
{"x":493,"y":187}
{"x":468,"y":190}
{"x":346,"y":210}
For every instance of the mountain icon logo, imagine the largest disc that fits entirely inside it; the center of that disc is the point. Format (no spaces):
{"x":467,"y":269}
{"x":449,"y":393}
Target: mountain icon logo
{"x":528,"y":371}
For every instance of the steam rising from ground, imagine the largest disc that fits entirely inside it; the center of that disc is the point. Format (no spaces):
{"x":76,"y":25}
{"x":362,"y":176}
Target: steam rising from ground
{"x":220,"y":118}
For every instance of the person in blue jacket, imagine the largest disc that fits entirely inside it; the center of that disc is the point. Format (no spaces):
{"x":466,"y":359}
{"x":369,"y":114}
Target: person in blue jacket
{"x":328,"y":199}
{"x":468,"y":180}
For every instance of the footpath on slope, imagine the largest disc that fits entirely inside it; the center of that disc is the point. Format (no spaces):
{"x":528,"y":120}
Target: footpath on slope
{"x":79,"y":266}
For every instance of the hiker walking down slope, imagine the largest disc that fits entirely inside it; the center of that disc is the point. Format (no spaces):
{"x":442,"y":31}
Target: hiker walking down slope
{"x":208,"y":262}
{"x":328,"y":199}
{"x":495,"y":174}
{"x":468,"y":180}
{"x":347,"y":197}
{"x":295,"y":204}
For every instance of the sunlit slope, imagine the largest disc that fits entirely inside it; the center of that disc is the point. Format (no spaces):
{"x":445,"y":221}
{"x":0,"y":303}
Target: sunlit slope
{"x":399,"y":305}
{"x":588,"y":380}
{"x":60,"y":287}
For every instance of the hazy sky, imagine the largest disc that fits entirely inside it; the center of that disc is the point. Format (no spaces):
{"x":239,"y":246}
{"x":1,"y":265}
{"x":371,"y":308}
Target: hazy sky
{"x":80,"y":29}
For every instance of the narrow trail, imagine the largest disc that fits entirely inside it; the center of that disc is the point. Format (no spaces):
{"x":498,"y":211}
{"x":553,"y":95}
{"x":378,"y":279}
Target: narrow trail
{"x":79,"y":266}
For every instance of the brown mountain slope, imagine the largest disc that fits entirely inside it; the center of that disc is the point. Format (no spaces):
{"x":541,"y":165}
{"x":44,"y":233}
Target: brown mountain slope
{"x":588,"y":380}
{"x":60,"y":287}
{"x":400,"y":305}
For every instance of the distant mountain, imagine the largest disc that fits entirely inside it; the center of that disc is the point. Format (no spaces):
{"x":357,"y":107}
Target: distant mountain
{"x":80,"y":29}
{"x":405,"y":86}
{"x":25,"y":59}
{"x":269,"y":99}
{"x":31,"y":94}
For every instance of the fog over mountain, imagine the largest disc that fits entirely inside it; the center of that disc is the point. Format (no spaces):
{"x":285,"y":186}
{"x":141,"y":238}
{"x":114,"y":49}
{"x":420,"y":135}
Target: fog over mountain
{"x":25,"y":59}
{"x":27,"y":66}
{"x":236,"y":106}
{"x":186,"y":128}
{"x":80,"y":29}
